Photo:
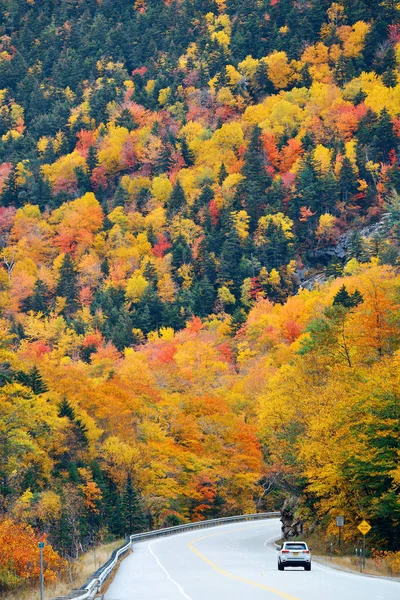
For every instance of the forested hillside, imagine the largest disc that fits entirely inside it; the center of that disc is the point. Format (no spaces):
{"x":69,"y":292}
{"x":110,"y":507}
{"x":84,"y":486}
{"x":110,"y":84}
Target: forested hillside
{"x":169,"y":172}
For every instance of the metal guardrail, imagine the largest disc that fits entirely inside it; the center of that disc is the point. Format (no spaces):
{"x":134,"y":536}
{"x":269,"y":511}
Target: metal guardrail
{"x":93,"y":586}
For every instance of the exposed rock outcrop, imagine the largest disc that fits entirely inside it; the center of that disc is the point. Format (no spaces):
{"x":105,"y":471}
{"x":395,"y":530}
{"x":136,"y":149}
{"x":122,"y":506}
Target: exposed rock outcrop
{"x":291,"y":525}
{"x":339,"y":251}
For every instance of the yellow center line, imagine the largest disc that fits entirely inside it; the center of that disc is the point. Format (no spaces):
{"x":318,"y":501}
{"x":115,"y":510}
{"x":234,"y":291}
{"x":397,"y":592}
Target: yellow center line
{"x":214,"y":566}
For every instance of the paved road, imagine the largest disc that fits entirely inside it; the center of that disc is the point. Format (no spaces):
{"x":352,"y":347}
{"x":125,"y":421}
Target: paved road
{"x":233,"y":562}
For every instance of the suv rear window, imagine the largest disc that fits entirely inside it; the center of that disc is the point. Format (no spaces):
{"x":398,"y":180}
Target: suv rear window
{"x":295,"y":546}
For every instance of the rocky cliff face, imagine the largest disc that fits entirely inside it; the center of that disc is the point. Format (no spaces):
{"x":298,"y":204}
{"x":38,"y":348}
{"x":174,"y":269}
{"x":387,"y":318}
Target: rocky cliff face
{"x":291,"y":525}
{"x":339,"y":251}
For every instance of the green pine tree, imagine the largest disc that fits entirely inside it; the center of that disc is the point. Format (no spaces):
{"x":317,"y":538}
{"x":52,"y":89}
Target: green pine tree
{"x":222,"y":174}
{"x":33,"y":380}
{"x":9,"y":195}
{"x":385,"y":139}
{"x":252,"y":191}
{"x":231,"y":255}
{"x":204,"y":297}
{"x":176,"y":201}
{"x":92,"y":160}
{"x":187,"y":154}
{"x":65,"y":409}
{"x":134,"y":517}
{"x":67,"y":286}
{"x":348,"y":183}
{"x":126,"y":120}
{"x":357,"y":247}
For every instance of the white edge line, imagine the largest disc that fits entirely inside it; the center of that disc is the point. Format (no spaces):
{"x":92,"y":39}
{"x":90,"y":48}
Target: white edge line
{"x":180,"y":588}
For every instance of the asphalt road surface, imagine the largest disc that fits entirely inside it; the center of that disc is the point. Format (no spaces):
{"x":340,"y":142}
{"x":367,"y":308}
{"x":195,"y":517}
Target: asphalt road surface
{"x":233,"y":562}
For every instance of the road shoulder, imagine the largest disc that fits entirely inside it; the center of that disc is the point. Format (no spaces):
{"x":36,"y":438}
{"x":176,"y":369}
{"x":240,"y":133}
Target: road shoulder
{"x":326,"y":562}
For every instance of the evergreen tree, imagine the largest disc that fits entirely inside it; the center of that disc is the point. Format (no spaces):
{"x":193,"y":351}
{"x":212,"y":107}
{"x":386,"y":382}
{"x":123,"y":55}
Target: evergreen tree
{"x":114,"y":510}
{"x":343,"y":71}
{"x":134,"y":517}
{"x":308,"y":187}
{"x":393,"y":208}
{"x":276,"y":250}
{"x":92,"y":160}
{"x":262,"y":85}
{"x":121,"y":334}
{"x":348,"y":183}
{"x":9,"y":195}
{"x":366,"y":128}
{"x":40,"y":192}
{"x":145,"y":319}
{"x":252,"y":190}
{"x":202,"y":200}
{"x":329,"y":192}
{"x":384,"y":139}
{"x":75,"y":442}
{"x":150,"y":273}
{"x":306,"y":79}
{"x":347,"y":300}
{"x":230,"y":258}
{"x":204,"y":297}
{"x":222,"y":174}
{"x":177,"y":200}
{"x":181,"y":253}
{"x":105,"y":267}
{"x":40,"y":299}
{"x":33,"y":380}
{"x":6,"y":374}
{"x":17,"y":329}
{"x":357,"y":247}
{"x":187,"y":153}
{"x":120,"y":197}
{"x":238,"y":318}
{"x":126,"y":120}
{"x":334,"y":268}
{"x":389,"y":78}
{"x":49,"y":155}
{"x":164,"y":161}
{"x":204,"y":265}
{"x":65,"y":409}
{"x":82,"y":180}
{"x":205,"y":196}
{"x":67,"y":286}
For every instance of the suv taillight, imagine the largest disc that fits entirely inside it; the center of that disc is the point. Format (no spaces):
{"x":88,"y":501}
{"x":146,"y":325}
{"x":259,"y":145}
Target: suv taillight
{"x":306,"y":552}
{"x":285,"y":551}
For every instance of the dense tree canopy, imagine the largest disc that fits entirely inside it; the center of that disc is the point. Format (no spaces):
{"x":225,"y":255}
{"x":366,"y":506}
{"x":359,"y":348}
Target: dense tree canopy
{"x":169,"y":173}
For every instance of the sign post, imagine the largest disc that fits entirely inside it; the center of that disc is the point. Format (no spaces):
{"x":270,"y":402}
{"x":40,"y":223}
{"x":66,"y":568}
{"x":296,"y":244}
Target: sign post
{"x":364,"y":527}
{"x":41,"y":546}
{"x":339,"y":524}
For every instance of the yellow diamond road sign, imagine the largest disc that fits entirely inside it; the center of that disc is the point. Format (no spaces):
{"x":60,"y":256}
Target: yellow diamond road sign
{"x":364,"y":527}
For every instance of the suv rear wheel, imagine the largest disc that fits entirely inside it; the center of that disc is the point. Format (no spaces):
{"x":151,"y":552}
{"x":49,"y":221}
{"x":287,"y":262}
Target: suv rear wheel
{"x":280,"y":566}
{"x":307,"y":567}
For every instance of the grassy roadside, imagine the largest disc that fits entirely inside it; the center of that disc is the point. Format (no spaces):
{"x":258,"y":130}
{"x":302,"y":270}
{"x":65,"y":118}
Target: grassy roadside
{"x":348,"y":563}
{"x":80,"y":571}
{"x":345,"y":559}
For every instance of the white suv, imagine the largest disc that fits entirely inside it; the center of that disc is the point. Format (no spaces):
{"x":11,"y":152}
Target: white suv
{"x":294,"y":554}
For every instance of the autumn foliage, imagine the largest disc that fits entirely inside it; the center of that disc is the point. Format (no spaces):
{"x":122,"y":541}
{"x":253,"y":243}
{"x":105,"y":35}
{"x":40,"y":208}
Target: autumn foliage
{"x":20,"y":556}
{"x":170,"y":175}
